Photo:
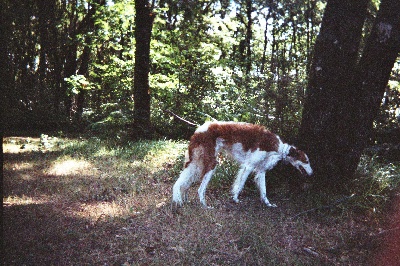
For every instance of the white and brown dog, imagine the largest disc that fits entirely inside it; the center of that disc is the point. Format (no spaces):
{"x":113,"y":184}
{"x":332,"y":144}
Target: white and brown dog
{"x":252,"y":146}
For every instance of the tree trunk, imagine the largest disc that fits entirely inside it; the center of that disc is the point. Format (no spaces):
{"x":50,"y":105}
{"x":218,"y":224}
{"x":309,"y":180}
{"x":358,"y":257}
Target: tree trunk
{"x":85,"y":56}
{"x":264,"y":55}
{"x":379,"y":55}
{"x":70,"y":66}
{"x":7,"y":74}
{"x":325,"y":131}
{"x":343,"y":96}
{"x":69,"y":70}
{"x":141,"y":89}
{"x":249,"y":35}
{"x":83,"y":70}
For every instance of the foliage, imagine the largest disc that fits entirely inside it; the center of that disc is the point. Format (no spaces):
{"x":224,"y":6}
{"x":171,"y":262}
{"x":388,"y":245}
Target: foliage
{"x":230,"y":60}
{"x":376,"y":183}
{"x":207,"y":73}
{"x":199,"y":51}
{"x":77,"y":83}
{"x":389,"y":115}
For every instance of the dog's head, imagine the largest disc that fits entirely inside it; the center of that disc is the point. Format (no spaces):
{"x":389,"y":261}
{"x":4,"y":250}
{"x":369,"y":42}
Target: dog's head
{"x":299,"y":160}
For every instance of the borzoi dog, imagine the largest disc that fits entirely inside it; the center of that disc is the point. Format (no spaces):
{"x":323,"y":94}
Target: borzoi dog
{"x":252,"y":146}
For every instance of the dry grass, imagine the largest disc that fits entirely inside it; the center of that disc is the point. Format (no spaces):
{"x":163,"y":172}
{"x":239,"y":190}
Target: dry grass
{"x":84,"y":202}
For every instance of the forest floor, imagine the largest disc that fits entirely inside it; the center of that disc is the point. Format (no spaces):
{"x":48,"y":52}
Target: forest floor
{"x":87,"y":202}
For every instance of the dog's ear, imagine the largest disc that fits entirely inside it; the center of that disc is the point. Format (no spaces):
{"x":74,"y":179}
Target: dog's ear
{"x":293,"y":152}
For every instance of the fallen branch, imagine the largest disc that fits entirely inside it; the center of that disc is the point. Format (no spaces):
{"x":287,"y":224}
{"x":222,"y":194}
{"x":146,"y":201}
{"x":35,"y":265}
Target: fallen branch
{"x":180,"y":118}
{"x":324,"y":206}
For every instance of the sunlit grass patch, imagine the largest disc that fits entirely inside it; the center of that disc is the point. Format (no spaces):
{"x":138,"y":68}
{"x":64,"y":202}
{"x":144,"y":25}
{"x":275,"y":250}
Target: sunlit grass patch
{"x":20,"y":145}
{"x":20,"y":166}
{"x":98,"y":210}
{"x":23,"y":200}
{"x":70,"y":166}
{"x":120,"y":173}
{"x":387,"y":175}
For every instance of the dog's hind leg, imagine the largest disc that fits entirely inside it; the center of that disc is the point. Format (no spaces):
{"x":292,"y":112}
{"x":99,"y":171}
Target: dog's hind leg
{"x":185,"y":180}
{"x":260,"y":181}
{"x":203,"y":187}
{"x":240,"y":181}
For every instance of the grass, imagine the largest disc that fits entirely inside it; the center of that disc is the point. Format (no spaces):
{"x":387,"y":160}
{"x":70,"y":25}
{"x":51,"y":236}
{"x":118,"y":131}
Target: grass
{"x":89,"y":202}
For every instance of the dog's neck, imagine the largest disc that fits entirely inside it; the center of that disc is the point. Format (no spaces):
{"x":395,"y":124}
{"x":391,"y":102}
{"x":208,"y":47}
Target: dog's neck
{"x":284,"y":150}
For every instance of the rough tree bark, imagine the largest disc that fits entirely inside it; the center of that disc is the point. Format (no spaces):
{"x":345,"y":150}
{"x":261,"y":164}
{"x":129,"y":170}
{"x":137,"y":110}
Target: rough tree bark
{"x":380,"y":53}
{"x":141,"y":89}
{"x":343,"y":93}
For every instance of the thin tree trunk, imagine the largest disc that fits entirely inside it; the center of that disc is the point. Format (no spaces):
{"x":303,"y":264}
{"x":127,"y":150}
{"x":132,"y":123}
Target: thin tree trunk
{"x":83,"y":70}
{"x":264,"y":55}
{"x":71,"y":65}
{"x":141,"y":89}
{"x":249,"y":35}
{"x":85,"y":56}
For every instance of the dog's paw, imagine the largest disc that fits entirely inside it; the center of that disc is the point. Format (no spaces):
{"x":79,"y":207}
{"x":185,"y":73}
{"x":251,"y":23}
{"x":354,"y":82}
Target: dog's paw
{"x":235,"y":199}
{"x":266,"y":202}
{"x":206,"y":207}
{"x":176,"y":204}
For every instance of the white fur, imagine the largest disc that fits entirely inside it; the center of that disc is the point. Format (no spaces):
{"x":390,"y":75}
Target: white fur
{"x":257,"y":161}
{"x":190,"y":174}
{"x":203,"y":128}
{"x":283,"y":148}
{"x":306,"y":166}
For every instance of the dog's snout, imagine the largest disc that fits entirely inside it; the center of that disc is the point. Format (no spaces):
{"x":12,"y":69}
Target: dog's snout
{"x":309,"y":171}
{"x":306,"y":170}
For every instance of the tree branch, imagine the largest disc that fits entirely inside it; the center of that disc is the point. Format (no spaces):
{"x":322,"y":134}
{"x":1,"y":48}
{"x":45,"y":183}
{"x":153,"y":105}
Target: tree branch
{"x":180,"y":118}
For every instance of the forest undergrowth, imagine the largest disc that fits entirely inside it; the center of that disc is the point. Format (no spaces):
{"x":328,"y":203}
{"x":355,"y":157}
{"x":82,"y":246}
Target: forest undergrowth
{"x":91,"y":202}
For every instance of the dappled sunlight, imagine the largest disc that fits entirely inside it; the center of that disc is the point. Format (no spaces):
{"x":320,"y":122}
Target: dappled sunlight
{"x":22,"y":166}
{"x":20,"y":145}
{"x":23,"y":170}
{"x":120,"y":199}
{"x":72,"y":167}
{"x":23,"y":200}
{"x":166,"y":155}
{"x":104,"y":152}
{"x":99,"y":210}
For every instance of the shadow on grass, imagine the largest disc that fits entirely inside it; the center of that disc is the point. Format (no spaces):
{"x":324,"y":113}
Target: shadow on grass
{"x":42,"y":234}
{"x":78,"y":219}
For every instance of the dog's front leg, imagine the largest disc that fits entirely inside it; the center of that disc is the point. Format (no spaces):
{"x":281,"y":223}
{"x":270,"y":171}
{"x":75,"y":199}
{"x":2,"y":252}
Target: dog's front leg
{"x":239,"y":181}
{"x":260,"y":181}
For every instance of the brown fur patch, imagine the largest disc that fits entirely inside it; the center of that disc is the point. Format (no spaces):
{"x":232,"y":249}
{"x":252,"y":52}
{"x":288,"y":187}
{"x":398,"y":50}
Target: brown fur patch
{"x":250,"y":136}
{"x":298,"y":155}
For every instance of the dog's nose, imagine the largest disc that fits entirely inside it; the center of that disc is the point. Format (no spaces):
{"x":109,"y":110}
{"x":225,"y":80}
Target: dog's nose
{"x":310,"y":172}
